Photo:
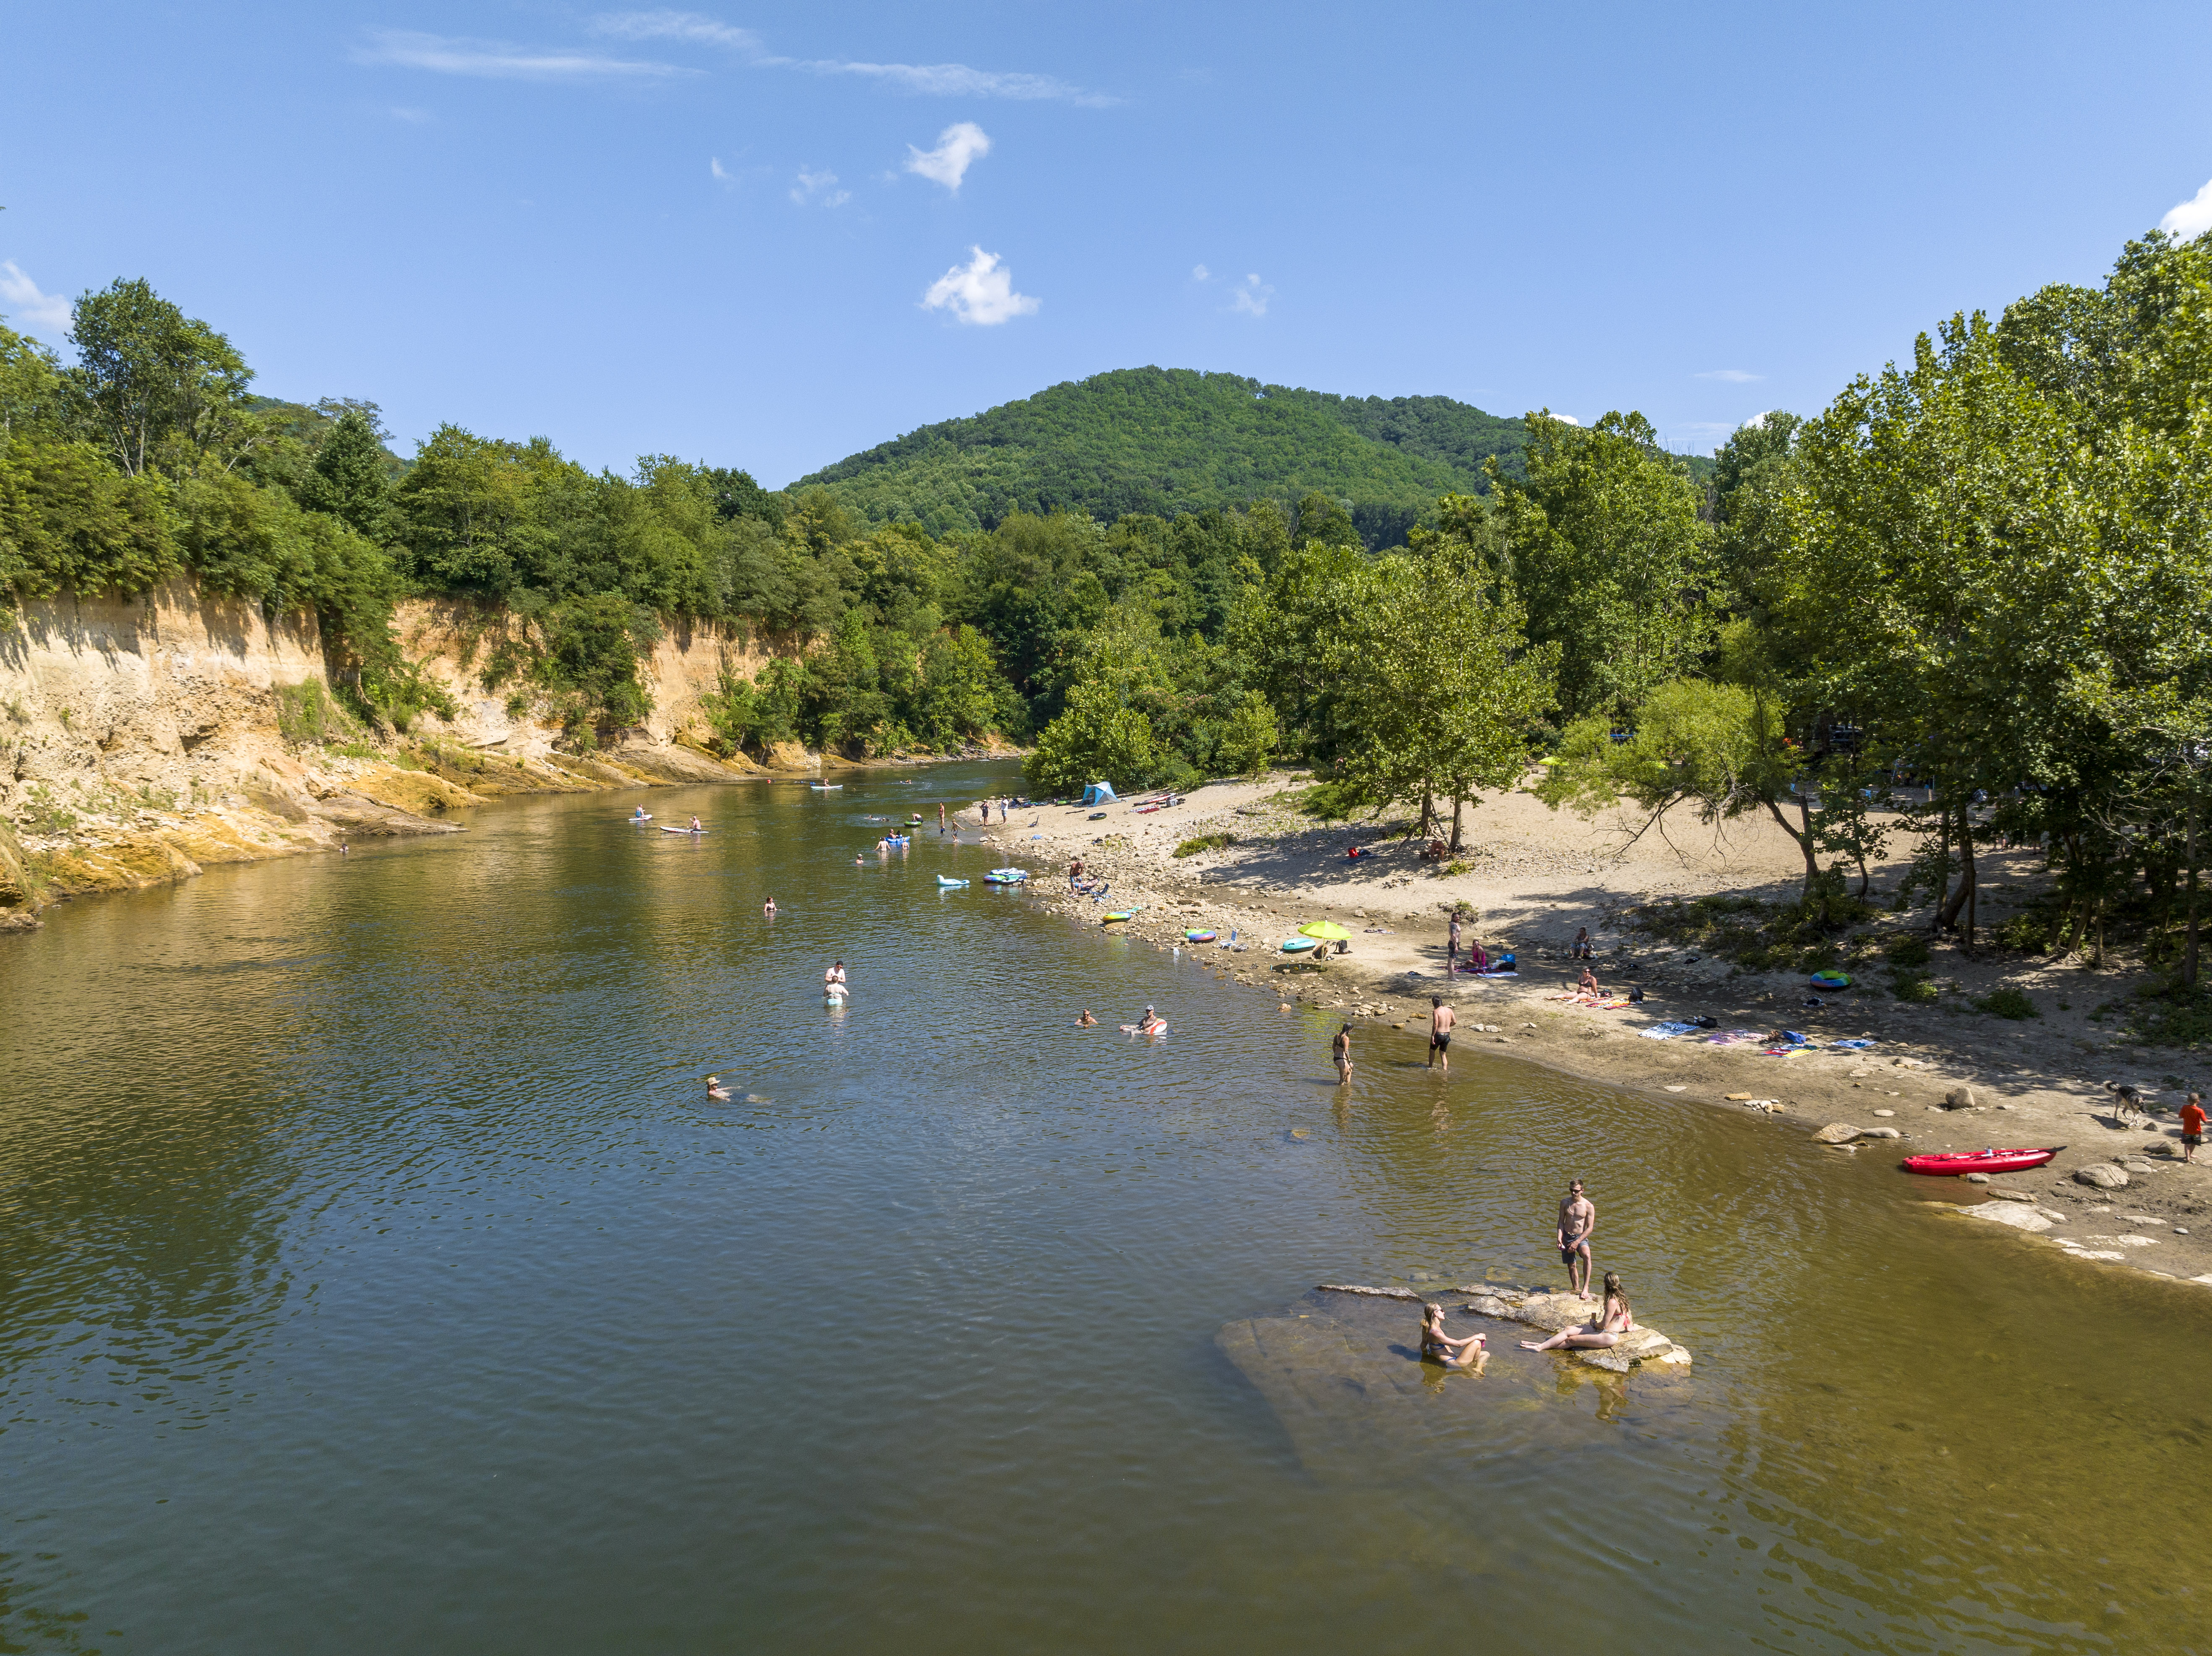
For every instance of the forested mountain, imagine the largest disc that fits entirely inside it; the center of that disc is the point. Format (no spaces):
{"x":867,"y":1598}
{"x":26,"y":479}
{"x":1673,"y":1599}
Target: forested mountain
{"x":1167,"y":440}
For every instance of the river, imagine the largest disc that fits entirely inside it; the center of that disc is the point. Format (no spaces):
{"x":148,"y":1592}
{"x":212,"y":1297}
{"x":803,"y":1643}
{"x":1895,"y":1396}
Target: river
{"x":379,"y":1277}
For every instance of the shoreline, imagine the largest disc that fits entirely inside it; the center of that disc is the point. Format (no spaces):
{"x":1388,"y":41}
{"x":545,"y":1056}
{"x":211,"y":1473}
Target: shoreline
{"x":1937,"y":1080}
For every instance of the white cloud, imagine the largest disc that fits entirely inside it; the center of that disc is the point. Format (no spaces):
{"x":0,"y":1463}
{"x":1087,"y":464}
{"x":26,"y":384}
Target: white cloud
{"x":413,"y":117}
{"x":958,"y":146}
{"x":494,"y":60}
{"x":1200,"y":273}
{"x":2192,"y":217}
{"x":820,"y":189}
{"x":1733,"y":376}
{"x":45,"y":312}
{"x":674,"y":26}
{"x":959,"y":80}
{"x":981,"y":292}
{"x":714,"y":170}
{"x":1251,"y":296}
{"x":1564,"y":418}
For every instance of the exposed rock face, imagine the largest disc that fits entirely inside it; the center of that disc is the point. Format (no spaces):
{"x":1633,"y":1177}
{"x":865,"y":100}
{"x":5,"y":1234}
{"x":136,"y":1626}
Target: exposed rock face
{"x":140,"y":738}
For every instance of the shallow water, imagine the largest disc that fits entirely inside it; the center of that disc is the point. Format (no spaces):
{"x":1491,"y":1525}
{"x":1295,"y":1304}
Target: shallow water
{"x":378,"y":1277}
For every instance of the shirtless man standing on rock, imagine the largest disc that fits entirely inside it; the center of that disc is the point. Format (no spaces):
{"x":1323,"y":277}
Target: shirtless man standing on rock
{"x":1577,"y":1220}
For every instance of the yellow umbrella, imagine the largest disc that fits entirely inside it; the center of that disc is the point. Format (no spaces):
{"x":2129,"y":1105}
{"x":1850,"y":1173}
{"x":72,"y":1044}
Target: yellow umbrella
{"x":1327,"y":930}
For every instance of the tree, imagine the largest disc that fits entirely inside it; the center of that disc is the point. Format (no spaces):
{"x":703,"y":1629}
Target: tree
{"x":347,"y":479}
{"x":1247,"y":744}
{"x":155,"y":380}
{"x":1605,"y":548}
{"x":1440,"y":692}
{"x":1099,"y":737}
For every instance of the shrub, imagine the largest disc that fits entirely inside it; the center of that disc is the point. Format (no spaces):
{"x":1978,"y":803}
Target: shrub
{"x":1908,"y":949}
{"x":2025,"y":934}
{"x":1248,"y":745}
{"x":1912,"y":986}
{"x":2008,"y":1004}
{"x":1191,"y":847}
{"x":305,"y":713}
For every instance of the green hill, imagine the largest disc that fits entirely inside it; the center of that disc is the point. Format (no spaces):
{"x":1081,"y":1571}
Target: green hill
{"x":1166,"y":441}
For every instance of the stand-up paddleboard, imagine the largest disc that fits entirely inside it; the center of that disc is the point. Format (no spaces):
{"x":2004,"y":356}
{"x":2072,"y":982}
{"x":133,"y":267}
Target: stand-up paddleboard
{"x":942,"y":881}
{"x":666,"y":828}
{"x":645,"y":817}
{"x":824,"y":787}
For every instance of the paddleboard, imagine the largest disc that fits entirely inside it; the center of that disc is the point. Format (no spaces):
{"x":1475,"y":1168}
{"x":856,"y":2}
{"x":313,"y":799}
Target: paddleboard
{"x":941,"y":879}
{"x":664,"y":828}
{"x":647,"y":817}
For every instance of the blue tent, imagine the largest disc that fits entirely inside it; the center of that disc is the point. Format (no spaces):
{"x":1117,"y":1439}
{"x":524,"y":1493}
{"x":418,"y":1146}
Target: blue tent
{"x":1101,"y":793}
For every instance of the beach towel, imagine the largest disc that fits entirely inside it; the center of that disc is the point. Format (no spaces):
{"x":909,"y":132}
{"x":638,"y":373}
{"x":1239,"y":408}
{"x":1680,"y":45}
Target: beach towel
{"x":1851,"y":1046}
{"x":1666,"y":1031}
{"x":1732,"y":1038}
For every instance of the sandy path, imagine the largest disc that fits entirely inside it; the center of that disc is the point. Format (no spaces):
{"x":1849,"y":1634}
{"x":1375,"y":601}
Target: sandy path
{"x":1533,"y":877}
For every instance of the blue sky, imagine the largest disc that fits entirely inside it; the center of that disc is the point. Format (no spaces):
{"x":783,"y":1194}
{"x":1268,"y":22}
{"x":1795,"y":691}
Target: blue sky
{"x":719,"y":233}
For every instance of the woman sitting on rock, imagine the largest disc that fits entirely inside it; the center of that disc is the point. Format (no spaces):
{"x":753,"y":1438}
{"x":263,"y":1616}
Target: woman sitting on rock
{"x":1440,"y":1347}
{"x":1610,"y":1323}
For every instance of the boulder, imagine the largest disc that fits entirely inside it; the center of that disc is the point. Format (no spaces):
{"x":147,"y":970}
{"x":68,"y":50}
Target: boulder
{"x":1978,"y":1178}
{"x":2009,"y":1213}
{"x":2102,"y":1175}
{"x":1959,"y":1098}
{"x":1836,"y":1132}
{"x":1880,"y":1132}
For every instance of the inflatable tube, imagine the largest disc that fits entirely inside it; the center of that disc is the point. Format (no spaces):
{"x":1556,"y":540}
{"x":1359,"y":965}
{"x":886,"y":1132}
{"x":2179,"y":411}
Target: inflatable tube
{"x":1299,"y":945}
{"x":1199,"y":936}
{"x":941,"y":879}
{"x":1830,"y":980}
{"x":1159,"y":1028}
{"x":1114,"y":914}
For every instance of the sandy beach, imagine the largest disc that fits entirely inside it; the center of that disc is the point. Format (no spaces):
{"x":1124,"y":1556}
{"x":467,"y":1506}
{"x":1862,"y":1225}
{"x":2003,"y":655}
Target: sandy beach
{"x":1941,"y":1077}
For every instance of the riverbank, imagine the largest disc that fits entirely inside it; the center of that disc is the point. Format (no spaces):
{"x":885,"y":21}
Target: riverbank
{"x":1939,"y":1075}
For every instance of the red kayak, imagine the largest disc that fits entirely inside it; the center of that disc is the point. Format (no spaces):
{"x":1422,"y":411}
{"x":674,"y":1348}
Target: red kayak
{"x":1980,"y":1161}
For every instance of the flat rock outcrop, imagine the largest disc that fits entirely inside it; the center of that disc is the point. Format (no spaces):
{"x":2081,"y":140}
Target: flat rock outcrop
{"x":1549,"y":1311}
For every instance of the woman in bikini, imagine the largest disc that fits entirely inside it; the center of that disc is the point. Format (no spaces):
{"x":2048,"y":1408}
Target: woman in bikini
{"x":1439,"y":1347}
{"x":1614,"y":1321}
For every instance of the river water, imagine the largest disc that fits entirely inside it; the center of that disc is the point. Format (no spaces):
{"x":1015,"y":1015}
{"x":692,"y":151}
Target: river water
{"x":378,"y":1277}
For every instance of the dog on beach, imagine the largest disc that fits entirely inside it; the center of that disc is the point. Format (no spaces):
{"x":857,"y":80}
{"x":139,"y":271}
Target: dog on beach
{"x":2129,"y":1108}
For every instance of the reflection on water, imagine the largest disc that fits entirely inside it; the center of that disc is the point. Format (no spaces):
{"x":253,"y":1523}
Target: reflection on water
{"x":379,"y":1275}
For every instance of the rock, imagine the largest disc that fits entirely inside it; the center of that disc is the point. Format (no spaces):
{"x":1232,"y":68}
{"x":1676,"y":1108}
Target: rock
{"x":2009,"y":1213}
{"x":1959,"y":1098}
{"x":2012,"y":1196}
{"x":1885,"y":1112}
{"x":1836,"y":1132}
{"x":1880,"y":1132}
{"x":2102,"y":1175}
{"x":2138,"y":1165}
{"x":1978,"y":1178}
{"x":1737,"y":1098}
{"x":1677,"y":1089}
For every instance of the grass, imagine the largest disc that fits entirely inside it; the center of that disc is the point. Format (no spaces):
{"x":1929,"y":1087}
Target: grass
{"x":1193,"y":847}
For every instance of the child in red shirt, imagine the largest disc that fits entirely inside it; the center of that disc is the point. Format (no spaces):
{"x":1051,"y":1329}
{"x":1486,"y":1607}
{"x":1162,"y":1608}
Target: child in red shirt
{"x":2192,"y":1126}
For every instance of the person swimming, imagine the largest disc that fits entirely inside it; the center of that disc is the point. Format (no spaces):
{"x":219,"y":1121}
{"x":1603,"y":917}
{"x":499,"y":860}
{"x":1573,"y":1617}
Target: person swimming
{"x":715,"y":1088}
{"x":769,"y":908}
{"x":1086,"y":1021}
{"x":832,"y":981}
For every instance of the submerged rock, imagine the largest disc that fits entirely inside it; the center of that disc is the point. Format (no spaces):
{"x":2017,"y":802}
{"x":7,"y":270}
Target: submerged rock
{"x":1551,"y":1313}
